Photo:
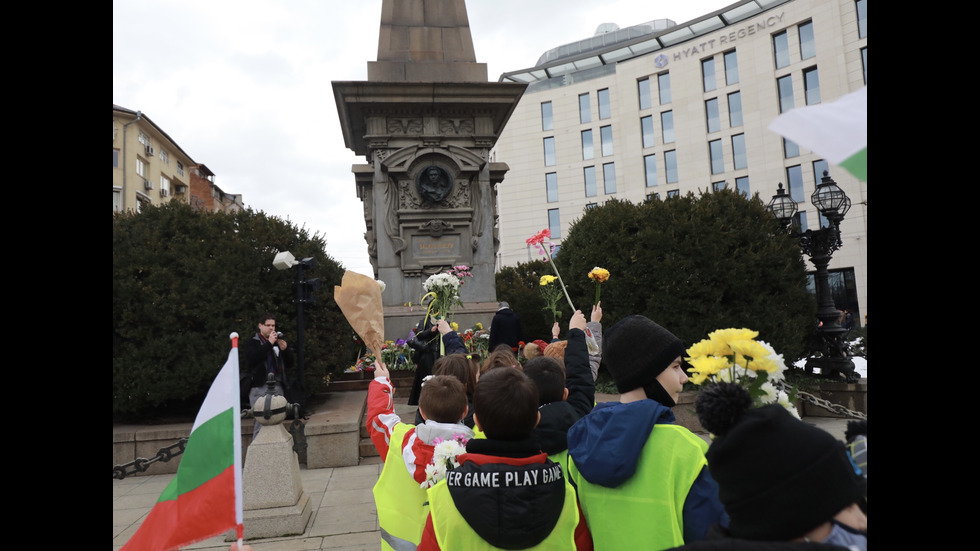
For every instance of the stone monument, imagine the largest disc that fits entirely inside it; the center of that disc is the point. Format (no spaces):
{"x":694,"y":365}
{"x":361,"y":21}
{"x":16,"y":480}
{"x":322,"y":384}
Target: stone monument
{"x":426,"y":120}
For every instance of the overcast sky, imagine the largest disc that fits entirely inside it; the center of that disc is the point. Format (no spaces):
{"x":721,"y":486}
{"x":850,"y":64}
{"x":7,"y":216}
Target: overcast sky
{"x":243,"y":86}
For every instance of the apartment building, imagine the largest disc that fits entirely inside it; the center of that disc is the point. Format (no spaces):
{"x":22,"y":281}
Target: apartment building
{"x":150,"y":168}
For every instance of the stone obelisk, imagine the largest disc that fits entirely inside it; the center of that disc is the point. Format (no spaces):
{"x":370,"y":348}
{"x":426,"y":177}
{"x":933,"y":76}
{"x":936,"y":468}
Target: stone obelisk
{"x":425,"y":121}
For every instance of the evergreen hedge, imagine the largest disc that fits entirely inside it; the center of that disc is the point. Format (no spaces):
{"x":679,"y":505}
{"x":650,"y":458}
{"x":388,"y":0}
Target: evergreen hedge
{"x":183,"y":281}
{"x":693,"y":264}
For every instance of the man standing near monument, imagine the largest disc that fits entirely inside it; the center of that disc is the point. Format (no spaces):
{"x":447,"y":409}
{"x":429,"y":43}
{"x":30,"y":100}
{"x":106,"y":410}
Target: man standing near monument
{"x":265,"y":353}
{"x":506,"y":328}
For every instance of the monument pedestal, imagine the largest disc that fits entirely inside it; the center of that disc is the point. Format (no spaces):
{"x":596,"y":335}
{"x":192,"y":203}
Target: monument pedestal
{"x":272,"y":492}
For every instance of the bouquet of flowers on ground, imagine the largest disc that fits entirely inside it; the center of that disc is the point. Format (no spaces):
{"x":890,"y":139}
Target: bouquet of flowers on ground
{"x":599,"y":276}
{"x":443,"y":459}
{"x":461,"y":272}
{"x":552,"y":294}
{"x":733,"y":355}
{"x":477,"y":341}
{"x":397,"y":355}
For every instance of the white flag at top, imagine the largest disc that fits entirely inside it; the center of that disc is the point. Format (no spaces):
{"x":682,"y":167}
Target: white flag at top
{"x":838,"y":131}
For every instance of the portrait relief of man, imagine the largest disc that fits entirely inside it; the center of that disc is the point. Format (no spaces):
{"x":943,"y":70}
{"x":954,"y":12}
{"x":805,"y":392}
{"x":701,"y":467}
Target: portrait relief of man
{"x":434,"y":184}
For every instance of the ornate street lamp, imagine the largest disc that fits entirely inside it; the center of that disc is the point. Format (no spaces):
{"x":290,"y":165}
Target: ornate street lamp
{"x":830,"y":354}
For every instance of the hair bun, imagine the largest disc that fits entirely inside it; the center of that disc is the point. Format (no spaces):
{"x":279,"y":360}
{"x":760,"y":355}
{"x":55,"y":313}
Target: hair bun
{"x":719,"y":406}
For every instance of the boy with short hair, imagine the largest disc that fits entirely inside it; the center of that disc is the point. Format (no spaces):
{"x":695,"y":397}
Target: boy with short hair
{"x":506,"y":493}
{"x":407,"y":450}
{"x":565,"y":394}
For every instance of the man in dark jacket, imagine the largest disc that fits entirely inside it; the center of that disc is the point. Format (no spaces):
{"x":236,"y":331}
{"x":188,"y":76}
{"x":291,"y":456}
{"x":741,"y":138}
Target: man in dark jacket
{"x":505,"y":328}
{"x":266,"y":352}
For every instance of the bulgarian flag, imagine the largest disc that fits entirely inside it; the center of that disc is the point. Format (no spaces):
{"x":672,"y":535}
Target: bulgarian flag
{"x":837,"y":130}
{"x":204,"y":499}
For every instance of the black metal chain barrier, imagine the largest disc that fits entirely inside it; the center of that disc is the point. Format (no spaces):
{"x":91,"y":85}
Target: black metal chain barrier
{"x":141,"y":464}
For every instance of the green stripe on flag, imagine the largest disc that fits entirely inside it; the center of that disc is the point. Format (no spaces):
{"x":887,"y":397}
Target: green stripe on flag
{"x":857,"y":164}
{"x":210,"y":450}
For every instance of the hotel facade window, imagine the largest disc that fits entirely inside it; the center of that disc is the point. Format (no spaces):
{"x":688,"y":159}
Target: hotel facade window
{"x":650,"y":169}
{"x":549,"y":152}
{"x":604,"y":110}
{"x":862,"y":18}
{"x":735,"y":109}
{"x":864,"y":64}
{"x":164,"y":186}
{"x":819,"y":166}
{"x":667,"y":126}
{"x":554,"y":223}
{"x":590,"y":188}
{"x":738,"y":152}
{"x":609,"y":178}
{"x":799,"y":221}
{"x":673,"y":193}
{"x":790,"y":149}
{"x":731,"y":68}
{"x":587,"y":150}
{"x":708,"y":74}
{"x":780,"y":49}
{"x":663,"y":85}
{"x":605,"y":135}
{"x":670,"y":166}
{"x":785,"y":87}
{"x":718,"y":186}
{"x":717,"y":157}
{"x":742,"y":185}
{"x":584,"y":108}
{"x":551,"y":186}
{"x":643,"y":90}
{"x":811,"y":86}
{"x":712,"y":116}
{"x":547,"y":120}
{"x":808,"y":47}
{"x":794,"y":181}
{"x":646,"y":130}
{"x":115,"y":158}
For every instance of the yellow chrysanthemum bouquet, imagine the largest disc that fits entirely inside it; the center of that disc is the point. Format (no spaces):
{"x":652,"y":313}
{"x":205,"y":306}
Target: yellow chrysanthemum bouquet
{"x":552,"y":294}
{"x":733,"y":355}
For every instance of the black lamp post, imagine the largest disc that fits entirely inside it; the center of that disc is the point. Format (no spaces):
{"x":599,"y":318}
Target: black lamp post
{"x":830,"y":354}
{"x":305,"y":294}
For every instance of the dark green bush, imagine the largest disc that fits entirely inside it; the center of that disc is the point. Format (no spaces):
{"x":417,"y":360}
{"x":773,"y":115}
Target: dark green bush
{"x":183,"y":281}
{"x":694,"y":264}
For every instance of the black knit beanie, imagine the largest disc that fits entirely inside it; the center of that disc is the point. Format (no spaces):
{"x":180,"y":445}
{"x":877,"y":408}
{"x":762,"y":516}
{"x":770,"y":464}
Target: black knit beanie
{"x":635,"y":350}
{"x":778,"y":477}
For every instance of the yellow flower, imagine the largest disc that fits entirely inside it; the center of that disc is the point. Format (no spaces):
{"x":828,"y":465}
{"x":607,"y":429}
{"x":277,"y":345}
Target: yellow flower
{"x":706,"y":366}
{"x":455,"y":326}
{"x":546,"y":279}
{"x":479,"y":326}
{"x":709,"y":347}
{"x":599,"y":275}
{"x":729,"y":335}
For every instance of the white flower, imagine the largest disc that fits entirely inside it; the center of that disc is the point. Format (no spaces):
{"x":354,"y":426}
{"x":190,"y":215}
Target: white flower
{"x":382,"y":285}
{"x":771,"y":394}
{"x":443,"y":458}
{"x":780,"y":373}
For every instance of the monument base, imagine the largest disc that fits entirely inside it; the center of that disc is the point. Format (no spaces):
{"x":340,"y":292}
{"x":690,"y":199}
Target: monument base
{"x":274,"y":522}
{"x":399,"y":320}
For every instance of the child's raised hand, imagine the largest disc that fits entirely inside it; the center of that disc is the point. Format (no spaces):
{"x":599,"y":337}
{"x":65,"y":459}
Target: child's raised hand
{"x":380,"y":369}
{"x":578,"y":321}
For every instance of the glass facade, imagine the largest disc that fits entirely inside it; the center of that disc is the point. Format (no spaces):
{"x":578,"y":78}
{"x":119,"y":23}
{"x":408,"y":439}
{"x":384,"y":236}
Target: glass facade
{"x":643,"y":90}
{"x":794,"y":181}
{"x":708,"y":74}
{"x":605,"y":135}
{"x":785,"y":87}
{"x":811,"y":86}
{"x":609,"y":178}
{"x":584,"y":108}
{"x":547,"y":121}
{"x":646,"y":130}
{"x":780,"y":49}
{"x":808,"y":48}
{"x":549,"y":152}
{"x":590,"y":189}
{"x":670,"y":166}
{"x":717,"y":157}
{"x":742,"y":185}
{"x":738,"y":152}
{"x":554,"y":223}
{"x":587,"y":150}
{"x":604,"y":110}
{"x":735,"y":109}
{"x":731,"y":68}
{"x":650,"y":169}
{"x":667,"y":124}
{"x":712,"y":116}
{"x":551,"y":186}
{"x":663,"y":84}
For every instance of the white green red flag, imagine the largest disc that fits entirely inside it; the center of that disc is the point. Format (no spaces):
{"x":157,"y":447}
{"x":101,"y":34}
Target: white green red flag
{"x":204,"y":499}
{"x":838,"y":131}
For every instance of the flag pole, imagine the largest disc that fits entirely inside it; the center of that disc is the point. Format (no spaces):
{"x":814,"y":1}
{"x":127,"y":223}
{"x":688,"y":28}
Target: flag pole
{"x":239,"y":507}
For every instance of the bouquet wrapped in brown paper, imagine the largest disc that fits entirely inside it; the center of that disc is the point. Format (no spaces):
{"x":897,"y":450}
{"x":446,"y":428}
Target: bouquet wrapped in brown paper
{"x":359,"y":298}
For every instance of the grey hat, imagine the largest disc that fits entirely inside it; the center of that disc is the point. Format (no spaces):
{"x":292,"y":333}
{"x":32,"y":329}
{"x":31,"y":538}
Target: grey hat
{"x":502,"y":305}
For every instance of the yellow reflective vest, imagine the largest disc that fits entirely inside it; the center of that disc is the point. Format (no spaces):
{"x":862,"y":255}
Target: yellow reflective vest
{"x":401,"y":502}
{"x":646,"y":511}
